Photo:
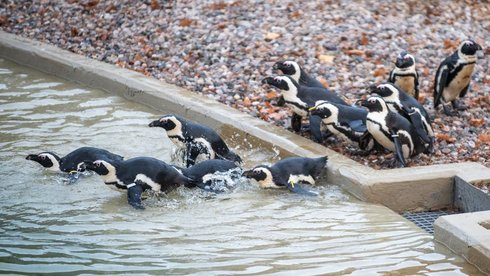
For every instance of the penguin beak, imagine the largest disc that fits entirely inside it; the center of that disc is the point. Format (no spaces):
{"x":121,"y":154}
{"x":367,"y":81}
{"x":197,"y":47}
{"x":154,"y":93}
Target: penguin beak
{"x":265,"y":81}
{"x":360,"y":102}
{"x":32,"y":157}
{"x":478,"y":47}
{"x":86,"y":165}
{"x":311,"y":109}
{"x":248,"y":174}
{"x":155,"y":123}
{"x":276,"y":65}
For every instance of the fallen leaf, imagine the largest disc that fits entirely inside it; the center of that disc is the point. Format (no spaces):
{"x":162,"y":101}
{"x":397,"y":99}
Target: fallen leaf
{"x":3,"y":20}
{"x":90,"y":4}
{"x":218,"y":5}
{"x":295,"y":13}
{"x":103,"y":36}
{"x":476,"y":122}
{"x":154,"y":5}
{"x":74,"y":31}
{"x":451,"y":44}
{"x":185,"y":22}
{"x":110,"y":8}
{"x":445,"y":137}
{"x":323,"y":81}
{"x":484,"y":138}
{"x":272,"y":95}
{"x":421,"y":99}
{"x":354,"y":52}
{"x":364,"y":39}
{"x":380,"y":72}
{"x":271,"y":36}
{"x":247,"y":102}
{"x":326,"y":58}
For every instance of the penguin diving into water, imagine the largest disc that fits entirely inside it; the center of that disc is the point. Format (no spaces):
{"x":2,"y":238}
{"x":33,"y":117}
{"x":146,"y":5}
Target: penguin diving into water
{"x":213,"y":175}
{"x":454,"y":75}
{"x":198,"y":142}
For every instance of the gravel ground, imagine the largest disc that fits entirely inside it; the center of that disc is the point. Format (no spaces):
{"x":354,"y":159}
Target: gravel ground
{"x":224,"y":49}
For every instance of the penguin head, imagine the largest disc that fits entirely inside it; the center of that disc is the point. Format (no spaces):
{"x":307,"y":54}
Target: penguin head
{"x":284,"y":83}
{"x":288,"y":67}
{"x":322,"y":109}
{"x":469,"y":47}
{"x":47,"y":159}
{"x":384,"y":90}
{"x":404,"y":60}
{"x":168,"y":122}
{"x":101,"y":167}
{"x":375,"y":104}
{"x":262,"y":174}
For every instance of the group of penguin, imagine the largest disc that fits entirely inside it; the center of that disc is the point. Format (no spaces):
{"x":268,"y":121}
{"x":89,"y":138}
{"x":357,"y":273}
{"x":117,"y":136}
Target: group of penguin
{"x":206,"y":157}
{"x":392,"y":119}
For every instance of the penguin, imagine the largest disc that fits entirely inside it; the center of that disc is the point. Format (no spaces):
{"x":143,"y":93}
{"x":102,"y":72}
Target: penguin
{"x":346,"y":122}
{"x":453,"y":76}
{"x":137,"y":175}
{"x":407,"y":106}
{"x":392,"y":130}
{"x":70,"y":163}
{"x":292,"y":69}
{"x":405,"y":75}
{"x":198,"y":141}
{"x":288,"y":173}
{"x":300,"y":99}
{"x":212,"y":175}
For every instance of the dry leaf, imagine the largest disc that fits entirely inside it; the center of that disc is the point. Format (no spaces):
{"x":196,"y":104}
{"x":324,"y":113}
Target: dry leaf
{"x":218,"y":5}
{"x":272,"y":95}
{"x":324,"y":82}
{"x":154,"y":5}
{"x":421,"y":99}
{"x":295,"y":13}
{"x":271,"y":36}
{"x":484,"y":138}
{"x":326,"y":58}
{"x":445,"y":137}
{"x":380,"y":72}
{"x":186,"y":22}
{"x":354,"y":52}
{"x":247,"y":102}
{"x":476,"y":122}
{"x":451,"y":44}
{"x":364,"y":39}
{"x":74,"y":31}
{"x":111,"y":7}
{"x":3,"y":20}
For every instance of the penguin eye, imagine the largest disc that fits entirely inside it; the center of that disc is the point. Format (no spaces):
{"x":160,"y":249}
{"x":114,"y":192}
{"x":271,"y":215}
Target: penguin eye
{"x":97,"y":164}
{"x":372,"y":101}
{"x":42,"y":157}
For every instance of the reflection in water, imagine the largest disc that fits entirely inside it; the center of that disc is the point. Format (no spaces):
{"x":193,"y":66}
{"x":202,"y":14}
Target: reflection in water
{"x":48,"y":226}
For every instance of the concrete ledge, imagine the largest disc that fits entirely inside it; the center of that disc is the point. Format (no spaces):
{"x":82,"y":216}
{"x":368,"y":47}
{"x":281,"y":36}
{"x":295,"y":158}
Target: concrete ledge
{"x":417,"y":188}
{"x":467,"y":235}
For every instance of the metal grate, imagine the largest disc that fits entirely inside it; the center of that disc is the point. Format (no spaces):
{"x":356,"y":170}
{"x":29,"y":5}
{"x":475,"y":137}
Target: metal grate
{"x":425,"y":220}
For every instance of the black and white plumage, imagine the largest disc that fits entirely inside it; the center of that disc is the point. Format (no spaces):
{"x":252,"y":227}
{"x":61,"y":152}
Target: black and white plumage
{"x":454,"y":75}
{"x":288,"y":173}
{"x":391,"y":130}
{"x":198,"y":141}
{"x":212,"y":175}
{"x":405,"y":75}
{"x":292,"y":69}
{"x":346,"y":122}
{"x":407,"y":106}
{"x":70,"y":162}
{"x":137,"y":175}
{"x":300,"y":98}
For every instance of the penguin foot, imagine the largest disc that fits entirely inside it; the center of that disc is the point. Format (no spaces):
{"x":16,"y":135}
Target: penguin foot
{"x":395,"y":163}
{"x":449,"y":112}
{"x":459,"y":106}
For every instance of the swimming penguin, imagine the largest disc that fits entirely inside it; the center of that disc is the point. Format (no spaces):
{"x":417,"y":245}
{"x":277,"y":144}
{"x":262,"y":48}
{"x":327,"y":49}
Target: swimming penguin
{"x":407,"y":106}
{"x":200,"y":142}
{"x":292,"y":69}
{"x":392,"y":130}
{"x":288,"y":173}
{"x":212,"y":175}
{"x":137,"y":175}
{"x":405,"y":75}
{"x":346,"y":122}
{"x":70,"y":162}
{"x":300,"y":99}
{"x":453,"y":76}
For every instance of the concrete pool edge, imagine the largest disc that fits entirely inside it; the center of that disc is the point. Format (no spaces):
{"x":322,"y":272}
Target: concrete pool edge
{"x":415,"y":188}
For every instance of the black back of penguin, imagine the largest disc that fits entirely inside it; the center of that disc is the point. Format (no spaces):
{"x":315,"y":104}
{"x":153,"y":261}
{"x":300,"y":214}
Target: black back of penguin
{"x":207,"y":167}
{"x":70,"y":161}
{"x":299,"y":166}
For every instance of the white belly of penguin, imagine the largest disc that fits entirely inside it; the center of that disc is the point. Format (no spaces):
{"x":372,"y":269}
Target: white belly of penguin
{"x":459,"y":82}
{"x":145,"y":179}
{"x":297,"y":110}
{"x":379,"y":136}
{"x":406,"y":149}
{"x":204,"y":156}
{"x":301,"y":178}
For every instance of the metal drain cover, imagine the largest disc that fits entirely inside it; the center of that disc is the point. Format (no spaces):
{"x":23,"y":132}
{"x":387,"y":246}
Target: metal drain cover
{"x":425,"y":220}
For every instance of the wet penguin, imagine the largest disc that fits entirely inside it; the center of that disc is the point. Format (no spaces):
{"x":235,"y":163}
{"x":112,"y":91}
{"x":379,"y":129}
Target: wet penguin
{"x":407,"y":106}
{"x":405,"y":75}
{"x":292,"y":69}
{"x":70,"y":163}
{"x":392,"y":130}
{"x":198,"y":141}
{"x":300,"y":99}
{"x":453,"y":76}
{"x":212,"y":175}
{"x":346,"y":122}
{"x":289,"y":173}
{"x":137,"y":175}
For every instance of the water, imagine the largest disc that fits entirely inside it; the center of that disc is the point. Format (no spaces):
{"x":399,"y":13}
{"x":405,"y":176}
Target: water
{"x":47,"y":226}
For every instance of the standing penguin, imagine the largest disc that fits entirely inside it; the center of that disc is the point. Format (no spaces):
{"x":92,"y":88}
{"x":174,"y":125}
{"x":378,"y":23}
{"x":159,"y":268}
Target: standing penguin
{"x":70,"y":163}
{"x":137,"y":175}
{"x":453,"y":76}
{"x":407,"y":106}
{"x":346,"y":122}
{"x":392,"y":130}
{"x":292,"y":69}
{"x":300,"y":99}
{"x":405,"y":75}
{"x":289,"y":173}
{"x":200,"y":142}
{"x":214,"y":175}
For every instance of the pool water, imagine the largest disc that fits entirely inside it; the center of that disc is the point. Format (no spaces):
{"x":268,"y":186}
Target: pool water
{"x":48,"y":226}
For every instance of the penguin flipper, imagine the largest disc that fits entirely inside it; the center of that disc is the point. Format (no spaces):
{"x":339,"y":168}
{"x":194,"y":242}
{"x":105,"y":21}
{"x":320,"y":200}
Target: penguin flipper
{"x":416,"y":96}
{"x":417,"y":122}
{"x":315,"y":128}
{"x":297,"y":189}
{"x":281,"y":101}
{"x":296,"y":122}
{"x":398,"y":150}
{"x":358,"y":126}
{"x":439,"y":86}
{"x":464,"y":91}
{"x":134,"y":195}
